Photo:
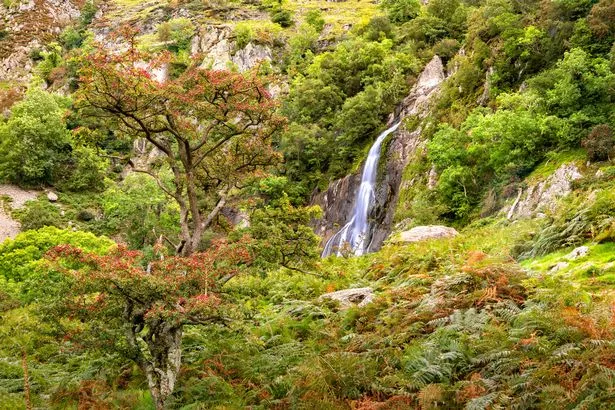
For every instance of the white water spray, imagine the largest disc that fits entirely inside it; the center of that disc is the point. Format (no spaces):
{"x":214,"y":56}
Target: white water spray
{"x":355,"y":233}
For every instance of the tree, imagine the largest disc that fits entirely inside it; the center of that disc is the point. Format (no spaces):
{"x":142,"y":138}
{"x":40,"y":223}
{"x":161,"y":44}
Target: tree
{"x":280,"y":229}
{"x":34,"y":141}
{"x":122,"y":303}
{"x":138,"y":212}
{"x":401,"y":11}
{"x":212,"y":128}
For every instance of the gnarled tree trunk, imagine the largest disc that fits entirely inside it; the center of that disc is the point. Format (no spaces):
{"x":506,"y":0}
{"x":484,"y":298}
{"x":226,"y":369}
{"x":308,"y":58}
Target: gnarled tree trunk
{"x":161,"y":361}
{"x":162,"y":368}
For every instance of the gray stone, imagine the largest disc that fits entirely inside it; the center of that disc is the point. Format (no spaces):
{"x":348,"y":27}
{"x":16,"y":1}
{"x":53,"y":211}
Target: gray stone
{"x":432,"y":178}
{"x":52,"y":196}
{"x":251,"y":55}
{"x":543,"y":195}
{"x":558,"y":266}
{"x":422,"y":233}
{"x":350,"y":297}
{"x":218,"y":46}
{"x":427,"y":85}
{"x":577,"y":253}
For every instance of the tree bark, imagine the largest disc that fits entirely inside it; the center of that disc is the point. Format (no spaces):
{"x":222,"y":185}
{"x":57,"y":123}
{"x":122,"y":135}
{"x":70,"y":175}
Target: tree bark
{"x":161,"y":370}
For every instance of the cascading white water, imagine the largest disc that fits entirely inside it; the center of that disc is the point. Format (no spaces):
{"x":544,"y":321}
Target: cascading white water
{"x":355,"y":233}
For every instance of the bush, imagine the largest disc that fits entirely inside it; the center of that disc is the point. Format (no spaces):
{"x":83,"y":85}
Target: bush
{"x":34,"y":142}
{"x":599,"y":143}
{"x":52,"y":58}
{"x":18,"y":255}
{"x":401,"y":11}
{"x":447,"y":48}
{"x":178,"y":30}
{"x":243,"y":35}
{"x":378,"y":28}
{"x":86,"y":171}
{"x":314,"y":18}
{"x":71,"y":38}
{"x":282,"y":16}
{"x":38,"y":214}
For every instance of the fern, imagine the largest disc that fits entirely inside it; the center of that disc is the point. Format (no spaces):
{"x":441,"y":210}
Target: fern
{"x":482,"y":403}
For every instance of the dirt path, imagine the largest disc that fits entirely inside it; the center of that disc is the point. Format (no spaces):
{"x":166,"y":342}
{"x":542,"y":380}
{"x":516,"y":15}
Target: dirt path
{"x":8,"y":226}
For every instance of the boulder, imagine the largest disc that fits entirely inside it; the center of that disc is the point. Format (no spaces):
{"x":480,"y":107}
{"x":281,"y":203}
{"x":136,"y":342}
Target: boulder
{"x":422,"y":233}
{"x":577,"y":253}
{"x":52,"y":196}
{"x":558,"y":266}
{"x":350,"y":297}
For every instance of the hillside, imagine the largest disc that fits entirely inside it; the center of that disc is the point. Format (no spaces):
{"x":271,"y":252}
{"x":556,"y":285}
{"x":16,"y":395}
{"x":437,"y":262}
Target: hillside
{"x":292,"y":204}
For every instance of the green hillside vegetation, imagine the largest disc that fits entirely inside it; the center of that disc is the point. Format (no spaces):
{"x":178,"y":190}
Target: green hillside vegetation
{"x":149,"y":290}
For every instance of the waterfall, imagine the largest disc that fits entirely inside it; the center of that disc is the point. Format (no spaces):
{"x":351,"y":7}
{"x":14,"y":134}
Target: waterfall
{"x":355,"y":234}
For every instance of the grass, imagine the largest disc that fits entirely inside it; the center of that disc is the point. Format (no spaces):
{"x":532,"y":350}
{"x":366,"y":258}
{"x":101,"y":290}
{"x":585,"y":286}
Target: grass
{"x":592,"y":272}
{"x":338,"y":15}
{"x":553,"y":161}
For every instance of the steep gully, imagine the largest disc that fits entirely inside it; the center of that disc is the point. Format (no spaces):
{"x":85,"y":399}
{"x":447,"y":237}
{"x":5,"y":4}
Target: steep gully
{"x":361,"y":206}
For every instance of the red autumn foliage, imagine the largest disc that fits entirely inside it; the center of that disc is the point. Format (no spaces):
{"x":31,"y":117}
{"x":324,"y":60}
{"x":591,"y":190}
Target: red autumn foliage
{"x":212,"y":128}
{"x":182,"y":289}
{"x":123,"y":302}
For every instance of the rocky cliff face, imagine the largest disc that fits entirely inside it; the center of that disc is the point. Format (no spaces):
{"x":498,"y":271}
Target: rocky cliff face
{"x":542,"y":196}
{"x":337,"y":201}
{"x":219,"y":48}
{"x":26,"y":25}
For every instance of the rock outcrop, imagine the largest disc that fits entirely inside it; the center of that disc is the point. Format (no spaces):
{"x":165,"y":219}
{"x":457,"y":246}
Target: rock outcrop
{"x":28,"y":25}
{"x":543,"y":196}
{"x":218,"y":47}
{"x":423,"y":233}
{"x":427,"y":85}
{"x":577,"y":253}
{"x":338,"y":199}
{"x":350,"y":297}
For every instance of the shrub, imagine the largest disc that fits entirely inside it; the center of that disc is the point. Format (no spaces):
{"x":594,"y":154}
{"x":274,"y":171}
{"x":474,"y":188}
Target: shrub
{"x":243,"y":35}
{"x":52,"y":58}
{"x":377,"y":28}
{"x":34,"y":142}
{"x":71,"y":38}
{"x":447,"y":48}
{"x":282,"y":16}
{"x":38,"y":214}
{"x":178,"y":30}
{"x":401,"y":11}
{"x":599,"y":143}
{"x":314,"y":18}
{"x":18,"y":255}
